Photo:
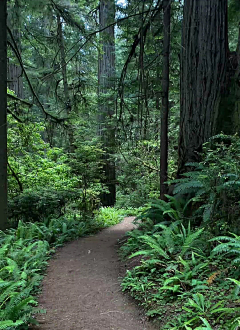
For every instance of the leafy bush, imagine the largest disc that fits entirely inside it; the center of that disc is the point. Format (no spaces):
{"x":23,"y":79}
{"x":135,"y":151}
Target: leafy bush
{"x":40,"y":204}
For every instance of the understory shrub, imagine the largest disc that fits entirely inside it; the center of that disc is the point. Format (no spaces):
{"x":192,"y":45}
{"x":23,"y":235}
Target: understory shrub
{"x":40,"y":204}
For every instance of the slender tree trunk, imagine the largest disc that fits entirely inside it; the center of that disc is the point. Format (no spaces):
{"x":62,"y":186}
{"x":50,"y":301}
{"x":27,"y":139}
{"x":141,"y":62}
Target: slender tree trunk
{"x":106,"y":77}
{"x":165,"y":98}
{"x":65,"y":81}
{"x":3,"y":114}
{"x":203,"y":74}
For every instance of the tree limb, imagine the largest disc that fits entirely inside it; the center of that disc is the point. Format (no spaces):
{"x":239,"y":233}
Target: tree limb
{"x":15,"y":98}
{"x":16,"y":177}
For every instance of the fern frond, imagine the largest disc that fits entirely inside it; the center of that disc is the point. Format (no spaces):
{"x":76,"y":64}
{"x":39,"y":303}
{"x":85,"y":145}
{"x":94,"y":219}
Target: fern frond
{"x":225,"y":238}
{"x":190,"y":239}
{"x":9,"y":324}
{"x":188,"y":187}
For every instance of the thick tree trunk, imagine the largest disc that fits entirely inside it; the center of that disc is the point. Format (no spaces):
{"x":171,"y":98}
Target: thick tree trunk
{"x":3,"y":114}
{"x":165,"y":98}
{"x":106,"y":76}
{"x":203,"y":73}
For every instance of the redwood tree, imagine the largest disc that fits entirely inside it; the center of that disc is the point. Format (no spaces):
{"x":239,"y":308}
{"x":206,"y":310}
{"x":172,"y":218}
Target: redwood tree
{"x":3,"y":114}
{"x":204,"y":54}
{"x":165,"y":97}
{"x":106,"y":77}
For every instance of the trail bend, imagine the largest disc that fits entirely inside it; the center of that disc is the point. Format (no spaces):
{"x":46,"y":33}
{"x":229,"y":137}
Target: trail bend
{"x":81,"y":289}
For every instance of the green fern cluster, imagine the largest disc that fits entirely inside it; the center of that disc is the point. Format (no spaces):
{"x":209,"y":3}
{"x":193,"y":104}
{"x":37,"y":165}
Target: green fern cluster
{"x":214,"y":183}
{"x":21,"y":266}
{"x":180,"y":273}
{"x":159,"y":210}
{"x":172,"y":240}
{"x":229,"y":245}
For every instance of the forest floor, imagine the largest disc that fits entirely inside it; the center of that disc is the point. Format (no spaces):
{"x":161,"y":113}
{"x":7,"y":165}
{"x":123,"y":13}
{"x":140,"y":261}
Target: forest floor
{"x":81,"y":289}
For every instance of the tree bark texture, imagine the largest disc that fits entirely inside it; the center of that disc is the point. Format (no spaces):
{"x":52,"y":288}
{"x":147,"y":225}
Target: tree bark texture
{"x":165,"y":98}
{"x":203,"y":73}
{"x":3,"y":114}
{"x":15,"y":81}
{"x":106,"y":81}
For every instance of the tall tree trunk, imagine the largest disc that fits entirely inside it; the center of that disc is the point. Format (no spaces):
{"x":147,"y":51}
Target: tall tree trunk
{"x":236,"y":116}
{"x":3,"y":114}
{"x":106,"y":76}
{"x":15,"y":81}
{"x":165,"y":98}
{"x":65,"y":81}
{"x":203,"y":73}
{"x":228,"y":120}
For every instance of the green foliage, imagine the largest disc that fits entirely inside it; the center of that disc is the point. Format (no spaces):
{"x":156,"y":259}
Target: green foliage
{"x":231,"y":246}
{"x":178,"y":278}
{"x":44,"y":180}
{"x":33,"y":161}
{"x":215,"y":183}
{"x":108,"y":216}
{"x":134,"y":190}
{"x":159,"y":211}
{"x":173,"y":239}
{"x":86,"y":168}
{"x":39,"y":205}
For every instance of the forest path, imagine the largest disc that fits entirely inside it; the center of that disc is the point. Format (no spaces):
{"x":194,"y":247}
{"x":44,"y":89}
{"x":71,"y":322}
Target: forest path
{"x":82,"y":289}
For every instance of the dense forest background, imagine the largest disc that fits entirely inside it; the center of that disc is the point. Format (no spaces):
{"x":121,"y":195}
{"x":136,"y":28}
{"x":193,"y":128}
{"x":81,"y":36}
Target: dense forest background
{"x":115,"y":103}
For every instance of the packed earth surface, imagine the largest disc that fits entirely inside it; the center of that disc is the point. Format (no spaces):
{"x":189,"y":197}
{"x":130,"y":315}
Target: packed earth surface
{"x":82,"y":290}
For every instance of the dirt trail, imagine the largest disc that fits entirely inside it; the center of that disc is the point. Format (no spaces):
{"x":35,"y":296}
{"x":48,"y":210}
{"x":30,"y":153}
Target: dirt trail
{"x":82,"y":289}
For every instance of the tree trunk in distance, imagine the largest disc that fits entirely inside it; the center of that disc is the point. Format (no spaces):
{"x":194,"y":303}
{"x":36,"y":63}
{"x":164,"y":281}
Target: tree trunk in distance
{"x":15,"y":80}
{"x":106,"y":76}
{"x":165,"y":98}
{"x":3,"y":114}
{"x":203,"y":73}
